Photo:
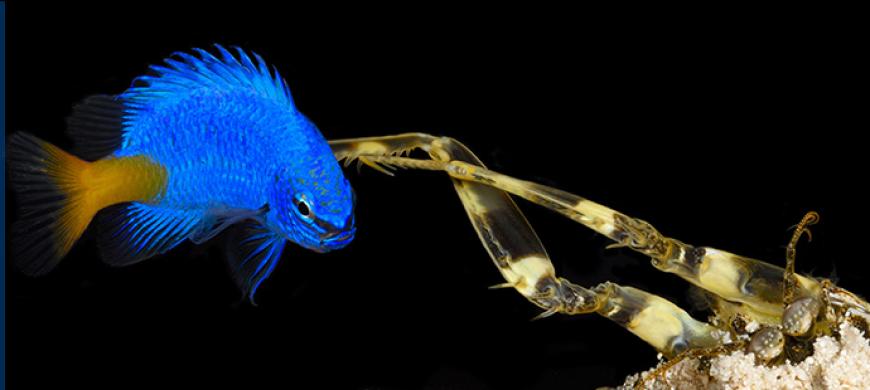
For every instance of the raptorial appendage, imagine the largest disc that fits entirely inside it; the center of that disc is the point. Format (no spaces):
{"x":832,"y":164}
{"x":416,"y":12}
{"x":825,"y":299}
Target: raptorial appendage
{"x":520,"y":256}
{"x":755,"y":284}
{"x":762,"y":307}
{"x":642,"y":237}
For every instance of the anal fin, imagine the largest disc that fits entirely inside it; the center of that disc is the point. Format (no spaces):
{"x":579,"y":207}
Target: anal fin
{"x":132,"y":232}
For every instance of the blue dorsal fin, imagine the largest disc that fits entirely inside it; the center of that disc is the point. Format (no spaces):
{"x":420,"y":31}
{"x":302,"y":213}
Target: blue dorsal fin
{"x":253,"y":253}
{"x":184,"y":72}
{"x":132,"y":232}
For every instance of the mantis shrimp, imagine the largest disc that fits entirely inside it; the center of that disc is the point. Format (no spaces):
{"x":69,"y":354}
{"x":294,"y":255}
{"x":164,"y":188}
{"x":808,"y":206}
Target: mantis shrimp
{"x":770,"y":311}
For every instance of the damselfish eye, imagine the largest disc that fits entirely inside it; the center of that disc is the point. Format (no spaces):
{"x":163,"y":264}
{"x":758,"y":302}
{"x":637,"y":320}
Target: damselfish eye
{"x":302,"y":207}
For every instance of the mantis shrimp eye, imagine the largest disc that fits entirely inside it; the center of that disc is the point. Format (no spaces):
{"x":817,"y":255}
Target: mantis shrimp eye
{"x":767,"y":343}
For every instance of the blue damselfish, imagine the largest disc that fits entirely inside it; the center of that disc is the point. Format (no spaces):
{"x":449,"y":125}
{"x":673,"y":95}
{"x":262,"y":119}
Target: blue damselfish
{"x":203,"y":142}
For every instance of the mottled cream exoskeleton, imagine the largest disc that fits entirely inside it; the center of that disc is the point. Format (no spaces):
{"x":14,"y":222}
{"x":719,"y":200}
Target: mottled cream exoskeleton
{"x":757,"y":306}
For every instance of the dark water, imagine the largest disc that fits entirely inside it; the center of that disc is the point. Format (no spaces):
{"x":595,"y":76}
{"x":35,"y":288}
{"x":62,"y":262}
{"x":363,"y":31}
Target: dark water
{"x":718,"y":136}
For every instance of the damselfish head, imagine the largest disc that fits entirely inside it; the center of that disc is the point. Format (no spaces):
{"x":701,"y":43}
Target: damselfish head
{"x":312,"y":203}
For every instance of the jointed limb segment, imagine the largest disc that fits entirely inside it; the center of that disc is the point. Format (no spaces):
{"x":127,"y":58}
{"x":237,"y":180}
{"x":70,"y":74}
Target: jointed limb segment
{"x":739,"y":279}
{"x":519,"y":254}
{"x":755,"y":284}
{"x":654,"y":319}
{"x":506,"y":234}
{"x":740,"y":287}
{"x":781,"y":301}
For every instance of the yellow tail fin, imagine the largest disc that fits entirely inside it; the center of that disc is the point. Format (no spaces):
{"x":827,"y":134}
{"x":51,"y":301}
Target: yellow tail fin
{"x":60,"y":194}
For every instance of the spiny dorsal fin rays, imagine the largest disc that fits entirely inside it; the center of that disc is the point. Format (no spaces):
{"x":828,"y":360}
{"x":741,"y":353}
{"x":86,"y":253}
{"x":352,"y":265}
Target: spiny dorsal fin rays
{"x":184,"y":71}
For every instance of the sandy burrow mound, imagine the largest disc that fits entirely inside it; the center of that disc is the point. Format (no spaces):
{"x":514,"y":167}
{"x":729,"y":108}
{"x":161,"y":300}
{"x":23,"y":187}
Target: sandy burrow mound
{"x":835,"y":364}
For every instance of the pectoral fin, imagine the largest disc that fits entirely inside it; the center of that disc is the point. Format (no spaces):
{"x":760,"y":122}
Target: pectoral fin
{"x":218,"y":219}
{"x":253,"y":253}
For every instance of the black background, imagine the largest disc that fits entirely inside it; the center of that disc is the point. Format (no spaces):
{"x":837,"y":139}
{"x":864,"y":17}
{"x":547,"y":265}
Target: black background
{"x":720,"y":132}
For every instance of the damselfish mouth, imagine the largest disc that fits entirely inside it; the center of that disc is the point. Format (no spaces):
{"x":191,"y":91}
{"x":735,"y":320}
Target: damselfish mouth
{"x":336,"y":240}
